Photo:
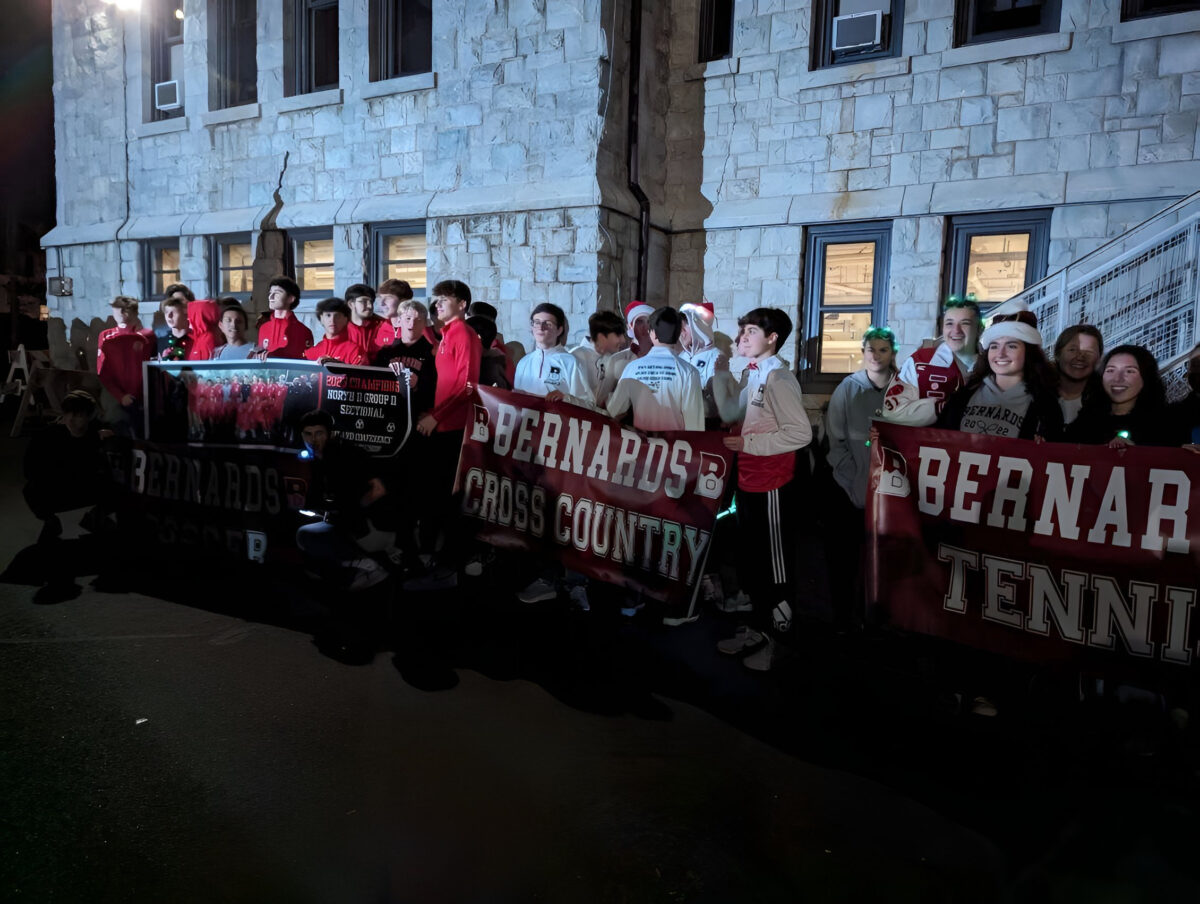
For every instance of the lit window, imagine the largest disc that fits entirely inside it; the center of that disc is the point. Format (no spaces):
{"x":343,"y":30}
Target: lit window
{"x":996,"y":256}
{"x":312,"y":254}
{"x":233,"y":259}
{"x":845,"y":294}
{"x":398,"y":252}
{"x":160,"y":266}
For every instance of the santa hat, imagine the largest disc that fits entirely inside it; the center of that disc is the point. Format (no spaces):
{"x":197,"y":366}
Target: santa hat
{"x":633,"y":311}
{"x":1021,"y":324}
{"x":703,"y":321}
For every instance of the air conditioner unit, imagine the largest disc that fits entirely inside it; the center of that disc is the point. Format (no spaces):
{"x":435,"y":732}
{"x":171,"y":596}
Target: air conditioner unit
{"x":60,"y":285}
{"x":858,"y":30}
{"x":166,"y":96}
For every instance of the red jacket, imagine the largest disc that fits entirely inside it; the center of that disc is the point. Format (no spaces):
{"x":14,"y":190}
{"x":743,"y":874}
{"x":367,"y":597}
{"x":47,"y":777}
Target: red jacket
{"x":285,"y":337}
{"x":365,"y":335}
{"x":457,"y":363}
{"x":203,"y":316}
{"x":341,"y":346}
{"x":119,"y":358}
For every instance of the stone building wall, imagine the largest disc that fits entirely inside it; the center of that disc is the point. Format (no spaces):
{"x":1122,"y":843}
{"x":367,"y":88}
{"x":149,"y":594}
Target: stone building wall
{"x":1098,"y":121}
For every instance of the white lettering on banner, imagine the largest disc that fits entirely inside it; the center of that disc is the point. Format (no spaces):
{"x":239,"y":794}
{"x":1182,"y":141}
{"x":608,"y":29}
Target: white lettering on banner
{"x":651,"y":543}
{"x":1026,"y":596}
{"x":1167,"y":495}
{"x":223,"y":485}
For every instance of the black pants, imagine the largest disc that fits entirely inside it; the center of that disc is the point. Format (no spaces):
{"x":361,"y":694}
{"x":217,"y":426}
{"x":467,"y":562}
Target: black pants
{"x":844,"y":538}
{"x":45,"y":498}
{"x":442,"y":507}
{"x":767,"y":546}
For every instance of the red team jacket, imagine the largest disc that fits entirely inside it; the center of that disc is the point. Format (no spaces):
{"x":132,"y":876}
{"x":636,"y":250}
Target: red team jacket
{"x":457,"y":361}
{"x":119,"y":360}
{"x":342,"y":346}
{"x":285,"y":337}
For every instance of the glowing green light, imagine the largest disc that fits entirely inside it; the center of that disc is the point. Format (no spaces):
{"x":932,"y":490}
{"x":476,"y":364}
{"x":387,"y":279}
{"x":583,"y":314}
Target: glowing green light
{"x":732,"y":510}
{"x":1124,"y":434}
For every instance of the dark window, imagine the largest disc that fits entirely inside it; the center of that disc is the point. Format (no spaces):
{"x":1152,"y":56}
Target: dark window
{"x":232,"y":259}
{"x":401,"y":37}
{"x":232,"y":48}
{"x":1141,"y":9}
{"x":980,"y":21}
{"x":166,"y":59}
{"x":160,"y":266}
{"x":311,"y":38}
{"x":398,"y":252}
{"x":845,"y":293}
{"x":851,"y":31}
{"x":716,"y":30}
{"x":994,"y":256}
{"x":312,"y":260}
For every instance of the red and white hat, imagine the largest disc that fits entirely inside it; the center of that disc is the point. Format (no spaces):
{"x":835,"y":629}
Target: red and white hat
{"x":703,"y":321}
{"x":633,"y":311}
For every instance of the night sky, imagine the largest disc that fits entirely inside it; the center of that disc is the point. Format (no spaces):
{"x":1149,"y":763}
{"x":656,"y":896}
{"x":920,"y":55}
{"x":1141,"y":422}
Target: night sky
{"x":27,"y":112}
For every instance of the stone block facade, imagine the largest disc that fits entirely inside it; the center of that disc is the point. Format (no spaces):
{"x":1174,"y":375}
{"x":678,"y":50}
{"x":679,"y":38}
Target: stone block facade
{"x":513,"y":151}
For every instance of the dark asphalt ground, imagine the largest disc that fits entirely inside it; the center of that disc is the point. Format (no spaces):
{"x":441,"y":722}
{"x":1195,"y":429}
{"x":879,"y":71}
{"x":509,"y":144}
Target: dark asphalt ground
{"x":199,"y":743}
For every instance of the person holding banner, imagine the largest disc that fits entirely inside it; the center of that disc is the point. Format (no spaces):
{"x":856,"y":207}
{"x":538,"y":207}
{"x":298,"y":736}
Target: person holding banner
{"x":283,"y":336}
{"x":931,"y":375}
{"x":364,"y":323}
{"x":338,"y":345}
{"x":410,"y":350}
{"x":550,"y":370}
{"x":458,"y":358}
{"x":855,"y":402}
{"x":663,"y":391}
{"x":119,"y":356}
{"x":774,"y":426}
{"x":390,"y":296}
{"x":1012,"y":390}
{"x":1132,"y":409}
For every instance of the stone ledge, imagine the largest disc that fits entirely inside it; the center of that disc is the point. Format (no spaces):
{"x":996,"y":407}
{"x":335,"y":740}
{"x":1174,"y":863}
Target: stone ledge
{"x":1131,"y":183}
{"x":1155,"y":27}
{"x":231,"y":114}
{"x":854,"y":72}
{"x":1004,"y":50}
{"x":999,"y":193}
{"x":162,"y":127}
{"x":422,"y":81}
{"x":308,"y":101}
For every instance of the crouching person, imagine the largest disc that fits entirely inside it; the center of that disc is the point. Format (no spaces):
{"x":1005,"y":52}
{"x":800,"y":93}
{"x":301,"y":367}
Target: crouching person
{"x":345,"y":490}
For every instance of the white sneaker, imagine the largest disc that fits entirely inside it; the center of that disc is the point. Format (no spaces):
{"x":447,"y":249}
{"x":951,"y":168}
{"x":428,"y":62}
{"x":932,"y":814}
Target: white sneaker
{"x":538,"y":591}
{"x":760,"y":660}
{"x":781,"y":615}
{"x":737,"y":603}
{"x":368,"y":573}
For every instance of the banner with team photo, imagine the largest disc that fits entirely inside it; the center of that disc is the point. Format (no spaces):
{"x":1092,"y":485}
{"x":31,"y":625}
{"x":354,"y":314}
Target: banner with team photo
{"x":620,"y":506}
{"x":259,"y":403}
{"x":1041,"y":551}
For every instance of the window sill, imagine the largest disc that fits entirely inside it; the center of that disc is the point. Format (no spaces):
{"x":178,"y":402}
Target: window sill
{"x":1005,"y":50}
{"x":846,"y":73}
{"x":231,"y":114}
{"x":308,"y":101}
{"x":1155,"y":27}
{"x":421,"y":81}
{"x":162,"y":127}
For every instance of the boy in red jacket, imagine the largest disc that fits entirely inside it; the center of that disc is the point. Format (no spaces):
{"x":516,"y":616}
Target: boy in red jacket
{"x":364,"y":322}
{"x":283,"y":336}
{"x":119,"y":357}
{"x":457,"y":365}
{"x":337,"y":345}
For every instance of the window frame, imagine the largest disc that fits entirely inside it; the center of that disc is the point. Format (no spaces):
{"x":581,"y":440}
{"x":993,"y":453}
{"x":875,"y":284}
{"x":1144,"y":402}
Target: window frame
{"x":216,"y":254}
{"x":384,"y":18}
{"x":1131,"y":10}
{"x":161,"y":42}
{"x":150,"y":249}
{"x":378,"y":233}
{"x":823,"y":56}
{"x":964,"y":18}
{"x":962,"y":228}
{"x":710,"y":27}
{"x":300,"y":51}
{"x":817,"y":238}
{"x":295,"y":238}
{"x":223,"y":35}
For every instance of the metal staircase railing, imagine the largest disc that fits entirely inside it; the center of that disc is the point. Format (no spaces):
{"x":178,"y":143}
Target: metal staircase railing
{"x":1142,"y":288}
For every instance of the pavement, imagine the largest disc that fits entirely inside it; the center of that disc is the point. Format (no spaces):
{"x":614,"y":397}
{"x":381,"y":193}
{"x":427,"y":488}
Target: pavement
{"x":217,"y":734}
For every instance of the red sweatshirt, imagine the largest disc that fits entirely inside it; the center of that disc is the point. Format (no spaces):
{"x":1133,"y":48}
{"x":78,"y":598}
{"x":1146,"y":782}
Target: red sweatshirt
{"x":457,"y":363}
{"x":342,"y":346}
{"x":119,"y":358}
{"x":365,"y":335}
{"x":285,"y":337}
{"x":203,"y":316}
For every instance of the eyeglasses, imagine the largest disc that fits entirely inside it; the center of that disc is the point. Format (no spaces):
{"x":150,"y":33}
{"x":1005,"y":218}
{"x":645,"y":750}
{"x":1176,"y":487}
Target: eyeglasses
{"x":544,"y":324}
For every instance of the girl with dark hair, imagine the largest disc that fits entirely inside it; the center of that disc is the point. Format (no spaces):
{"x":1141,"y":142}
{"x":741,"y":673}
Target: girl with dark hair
{"x":1012,"y":390}
{"x":1077,"y":351}
{"x":1132,"y":410}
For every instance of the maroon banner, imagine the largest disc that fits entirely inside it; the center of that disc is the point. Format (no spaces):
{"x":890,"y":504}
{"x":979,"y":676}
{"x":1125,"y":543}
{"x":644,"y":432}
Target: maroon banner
{"x":1045,"y":551}
{"x":617,"y":505}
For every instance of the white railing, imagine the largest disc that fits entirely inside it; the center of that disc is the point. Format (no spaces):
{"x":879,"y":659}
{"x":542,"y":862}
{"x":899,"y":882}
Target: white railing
{"x":1141,"y":288}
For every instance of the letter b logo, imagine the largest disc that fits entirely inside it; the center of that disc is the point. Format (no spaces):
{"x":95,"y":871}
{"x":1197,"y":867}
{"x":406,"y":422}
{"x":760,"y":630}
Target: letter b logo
{"x":479,"y":429}
{"x":710,"y":482}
